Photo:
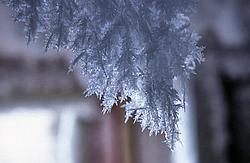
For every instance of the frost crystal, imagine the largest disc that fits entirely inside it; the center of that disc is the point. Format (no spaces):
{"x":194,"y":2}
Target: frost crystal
{"x":126,"y":48}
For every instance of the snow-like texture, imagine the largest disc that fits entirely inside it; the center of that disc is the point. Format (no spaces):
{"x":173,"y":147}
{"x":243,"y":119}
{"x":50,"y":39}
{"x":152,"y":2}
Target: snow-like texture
{"x":126,"y":48}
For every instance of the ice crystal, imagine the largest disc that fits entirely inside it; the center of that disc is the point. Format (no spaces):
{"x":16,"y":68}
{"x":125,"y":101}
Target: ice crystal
{"x":127,"y":49}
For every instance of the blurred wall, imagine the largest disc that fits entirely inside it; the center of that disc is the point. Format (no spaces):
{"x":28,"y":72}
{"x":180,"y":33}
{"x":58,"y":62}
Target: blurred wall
{"x":221,"y":88}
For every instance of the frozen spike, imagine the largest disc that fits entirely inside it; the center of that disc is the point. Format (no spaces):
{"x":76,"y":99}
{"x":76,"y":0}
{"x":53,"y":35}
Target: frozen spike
{"x":122,"y":56}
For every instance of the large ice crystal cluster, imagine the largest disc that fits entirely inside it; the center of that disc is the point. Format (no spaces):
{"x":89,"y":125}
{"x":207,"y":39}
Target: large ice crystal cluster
{"x":126,"y":48}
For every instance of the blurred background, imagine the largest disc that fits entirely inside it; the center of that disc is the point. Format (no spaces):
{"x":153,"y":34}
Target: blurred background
{"x":44,"y":117}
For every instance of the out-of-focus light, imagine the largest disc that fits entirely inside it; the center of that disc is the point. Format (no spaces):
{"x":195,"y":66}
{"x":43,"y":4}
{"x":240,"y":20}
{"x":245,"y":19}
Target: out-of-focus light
{"x":26,"y":137}
{"x":186,"y":151}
